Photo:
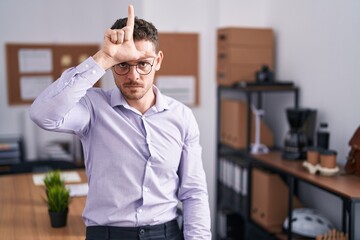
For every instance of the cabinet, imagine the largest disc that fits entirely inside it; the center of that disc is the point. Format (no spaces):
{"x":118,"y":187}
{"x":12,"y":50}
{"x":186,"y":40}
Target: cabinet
{"x":235,"y":164}
{"x":235,"y":169}
{"x":243,"y":51}
{"x":11,"y":152}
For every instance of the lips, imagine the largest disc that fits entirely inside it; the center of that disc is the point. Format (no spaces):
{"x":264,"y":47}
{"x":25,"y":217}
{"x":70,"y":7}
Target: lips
{"x":132,"y":85}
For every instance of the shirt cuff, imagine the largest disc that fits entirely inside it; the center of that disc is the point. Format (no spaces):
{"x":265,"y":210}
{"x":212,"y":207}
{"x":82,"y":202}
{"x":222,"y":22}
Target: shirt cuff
{"x":90,"y":70}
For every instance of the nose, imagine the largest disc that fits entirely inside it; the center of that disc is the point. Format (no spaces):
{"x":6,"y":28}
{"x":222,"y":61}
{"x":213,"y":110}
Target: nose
{"x":133,"y":74}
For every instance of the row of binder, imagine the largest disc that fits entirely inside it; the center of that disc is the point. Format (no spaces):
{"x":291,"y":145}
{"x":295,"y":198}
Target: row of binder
{"x":10,"y":150}
{"x":233,"y":175}
{"x":229,"y":226}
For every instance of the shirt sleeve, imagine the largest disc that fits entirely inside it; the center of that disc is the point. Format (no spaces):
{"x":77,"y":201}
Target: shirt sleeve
{"x":58,"y":107}
{"x":193,"y":188}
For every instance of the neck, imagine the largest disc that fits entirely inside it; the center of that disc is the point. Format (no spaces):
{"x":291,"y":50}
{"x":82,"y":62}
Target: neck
{"x":143,"y":104}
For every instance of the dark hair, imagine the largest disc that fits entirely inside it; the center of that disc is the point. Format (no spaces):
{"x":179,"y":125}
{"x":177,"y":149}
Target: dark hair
{"x":143,"y":30}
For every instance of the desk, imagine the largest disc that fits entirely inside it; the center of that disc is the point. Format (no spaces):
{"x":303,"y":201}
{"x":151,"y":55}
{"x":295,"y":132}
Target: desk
{"x":346,"y":187}
{"x":24,"y":213}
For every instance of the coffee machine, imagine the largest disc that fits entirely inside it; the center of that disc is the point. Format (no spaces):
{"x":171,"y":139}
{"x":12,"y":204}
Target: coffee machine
{"x":302,"y":123}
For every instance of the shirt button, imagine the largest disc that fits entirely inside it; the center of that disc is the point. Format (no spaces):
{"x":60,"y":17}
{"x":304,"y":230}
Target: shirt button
{"x":146,"y":189}
{"x":149,"y":164}
{"x":87,"y":65}
{"x":140,"y":210}
{"x":93,"y":71}
{"x":142,"y":232}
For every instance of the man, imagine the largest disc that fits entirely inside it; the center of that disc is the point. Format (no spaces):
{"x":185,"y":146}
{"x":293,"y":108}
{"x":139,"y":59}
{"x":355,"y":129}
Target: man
{"x":141,"y":148}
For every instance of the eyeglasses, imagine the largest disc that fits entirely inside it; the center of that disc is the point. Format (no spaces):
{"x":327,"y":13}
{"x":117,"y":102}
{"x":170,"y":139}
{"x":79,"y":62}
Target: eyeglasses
{"x":143,"y":68}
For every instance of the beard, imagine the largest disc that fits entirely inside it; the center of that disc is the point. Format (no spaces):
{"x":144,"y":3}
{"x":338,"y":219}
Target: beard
{"x":134,"y":91}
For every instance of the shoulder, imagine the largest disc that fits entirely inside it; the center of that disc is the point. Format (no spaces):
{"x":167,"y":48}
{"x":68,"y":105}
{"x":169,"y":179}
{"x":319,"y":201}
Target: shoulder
{"x":178,"y":107}
{"x":97,"y":93}
{"x":184,"y":115}
{"x":96,"y":96}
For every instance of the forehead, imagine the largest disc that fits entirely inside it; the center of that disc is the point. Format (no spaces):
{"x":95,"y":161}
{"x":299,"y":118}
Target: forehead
{"x":146,"y":47}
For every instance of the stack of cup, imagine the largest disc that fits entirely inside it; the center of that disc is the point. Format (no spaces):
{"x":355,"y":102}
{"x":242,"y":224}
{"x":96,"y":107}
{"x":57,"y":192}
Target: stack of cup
{"x":328,"y":159}
{"x":321,"y":160}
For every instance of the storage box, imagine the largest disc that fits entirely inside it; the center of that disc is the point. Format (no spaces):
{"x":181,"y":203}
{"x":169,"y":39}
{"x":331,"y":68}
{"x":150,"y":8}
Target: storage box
{"x":269,"y":200}
{"x":245,"y":36}
{"x":234,"y":127}
{"x":242,"y":52}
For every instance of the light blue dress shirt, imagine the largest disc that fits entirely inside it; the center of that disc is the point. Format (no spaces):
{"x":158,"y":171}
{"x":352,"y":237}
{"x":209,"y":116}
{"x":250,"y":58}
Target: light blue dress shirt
{"x":138,"y":165}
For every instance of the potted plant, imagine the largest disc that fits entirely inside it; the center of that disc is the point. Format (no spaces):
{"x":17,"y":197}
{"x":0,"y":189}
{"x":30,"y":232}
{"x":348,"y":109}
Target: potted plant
{"x":58,"y":199}
{"x":53,"y":178}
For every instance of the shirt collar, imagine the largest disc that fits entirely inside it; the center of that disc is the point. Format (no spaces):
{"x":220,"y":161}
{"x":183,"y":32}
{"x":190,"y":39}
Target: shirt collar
{"x":161,"y":103}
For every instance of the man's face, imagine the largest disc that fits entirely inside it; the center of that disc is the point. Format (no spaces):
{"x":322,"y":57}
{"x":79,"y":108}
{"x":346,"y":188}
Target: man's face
{"x":134,"y":85}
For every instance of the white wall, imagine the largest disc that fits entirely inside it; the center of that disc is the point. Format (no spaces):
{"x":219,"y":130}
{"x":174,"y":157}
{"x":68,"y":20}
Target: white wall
{"x":184,"y":16}
{"x":316,"y":47}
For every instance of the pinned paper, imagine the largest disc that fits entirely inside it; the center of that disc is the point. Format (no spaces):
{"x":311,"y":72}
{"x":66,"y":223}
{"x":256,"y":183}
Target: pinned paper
{"x":32,"y":86}
{"x":66,"y":60}
{"x":182,"y":88}
{"x":35,"y":60}
{"x":82,"y":58}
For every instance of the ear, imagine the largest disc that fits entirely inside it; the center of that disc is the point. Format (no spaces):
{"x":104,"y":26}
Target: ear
{"x":113,"y":72}
{"x":159,"y":59}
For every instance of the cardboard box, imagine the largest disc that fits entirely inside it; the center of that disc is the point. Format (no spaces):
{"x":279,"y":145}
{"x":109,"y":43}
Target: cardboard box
{"x":242,"y":52}
{"x":234,"y":127}
{"x":269,"y":200}
{"x":245,"y":36}
{"x":245,"y":56}
{"x":228,"y":74}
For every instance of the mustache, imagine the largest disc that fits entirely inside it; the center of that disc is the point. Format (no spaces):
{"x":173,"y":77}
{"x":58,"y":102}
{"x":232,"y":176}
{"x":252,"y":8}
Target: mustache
{"x":133,"y":84}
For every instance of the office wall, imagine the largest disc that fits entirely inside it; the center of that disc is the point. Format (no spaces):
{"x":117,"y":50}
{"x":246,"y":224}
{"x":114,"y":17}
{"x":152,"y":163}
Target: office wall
{"x":316,"y":47}
{"x":42,"y":21}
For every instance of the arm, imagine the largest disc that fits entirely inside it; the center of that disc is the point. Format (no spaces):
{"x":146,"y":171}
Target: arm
{"x":58,"y":107}
{"x":193,"y":188}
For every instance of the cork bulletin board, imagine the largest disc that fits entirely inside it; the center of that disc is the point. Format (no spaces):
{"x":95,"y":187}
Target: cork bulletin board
{"x":32,"y":67}
{"x":179,"y":73}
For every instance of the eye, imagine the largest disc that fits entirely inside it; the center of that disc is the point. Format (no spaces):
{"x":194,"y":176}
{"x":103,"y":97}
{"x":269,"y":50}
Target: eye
{"x":143,"y":64}
{"x":123,"y":65}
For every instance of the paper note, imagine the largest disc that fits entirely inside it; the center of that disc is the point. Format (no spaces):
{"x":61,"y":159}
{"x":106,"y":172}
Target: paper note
{"x":32,"y":86}
{"x":66,"y":60}
{"x":35,"y":60}
{"x":65,"y":176}
{"x":82,"y":58}
{"x":78,"y":190}
{"x":182,"y":88}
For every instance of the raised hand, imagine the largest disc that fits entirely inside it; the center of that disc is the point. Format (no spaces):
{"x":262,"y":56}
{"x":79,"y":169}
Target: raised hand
{"x":118,"y":45}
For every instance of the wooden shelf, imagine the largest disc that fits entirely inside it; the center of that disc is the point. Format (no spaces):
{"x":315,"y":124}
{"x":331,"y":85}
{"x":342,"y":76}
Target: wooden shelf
{"x":341,"y":184}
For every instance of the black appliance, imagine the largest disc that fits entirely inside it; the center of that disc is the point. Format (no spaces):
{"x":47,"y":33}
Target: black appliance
{"x":302,"y":123}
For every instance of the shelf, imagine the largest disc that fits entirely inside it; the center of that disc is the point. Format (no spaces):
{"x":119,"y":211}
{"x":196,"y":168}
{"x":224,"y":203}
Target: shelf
{"x":346,"y":187}
{"x":342,"y":184}
{"x":260,"y":88}
{"x":230,"y":200}
{"x":225,"y":150}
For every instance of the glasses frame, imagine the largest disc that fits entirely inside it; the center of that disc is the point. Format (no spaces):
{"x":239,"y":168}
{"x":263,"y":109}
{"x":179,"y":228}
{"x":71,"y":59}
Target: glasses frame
{"x":136,"y":68}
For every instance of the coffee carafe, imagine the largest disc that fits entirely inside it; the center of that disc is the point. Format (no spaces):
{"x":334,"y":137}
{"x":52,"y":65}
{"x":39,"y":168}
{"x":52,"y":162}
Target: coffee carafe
{"x":300,"y":134}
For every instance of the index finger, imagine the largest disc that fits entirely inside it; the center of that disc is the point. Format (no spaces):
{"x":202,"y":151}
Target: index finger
{"x":131,"y":17}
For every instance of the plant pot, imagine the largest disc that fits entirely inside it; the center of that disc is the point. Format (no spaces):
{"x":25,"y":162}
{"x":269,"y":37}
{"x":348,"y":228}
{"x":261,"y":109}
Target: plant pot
{"x":58,"y":219}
